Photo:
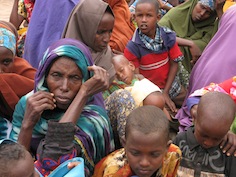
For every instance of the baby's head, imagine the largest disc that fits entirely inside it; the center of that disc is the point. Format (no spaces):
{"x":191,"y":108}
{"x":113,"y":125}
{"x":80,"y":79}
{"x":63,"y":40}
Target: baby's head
{"x":215,"y":114}
{"x":15,"y":160}
{"x":146,"y":15}
{"x":124,"y":69}
{"x":146,"y":139}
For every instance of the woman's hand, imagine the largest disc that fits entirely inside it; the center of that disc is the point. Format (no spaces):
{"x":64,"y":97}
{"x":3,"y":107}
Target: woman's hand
{"x":99,"y":82}
{"x":35,"y":106}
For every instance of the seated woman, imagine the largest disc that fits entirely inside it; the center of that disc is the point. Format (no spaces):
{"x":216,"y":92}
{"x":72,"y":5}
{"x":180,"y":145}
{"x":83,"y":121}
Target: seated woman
{"x":16,"y":76}
{"x":195,"y":22}
{"x":217,"y":56}
{"x":65,"y":111}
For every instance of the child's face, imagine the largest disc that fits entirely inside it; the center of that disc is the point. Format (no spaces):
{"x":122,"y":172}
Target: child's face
{"x":6,"y":60}
{"x":24,"y":167}
{"x":146,"y":17}
{"x":209,"y":135}
{"x":124,"y":70}
{"x":145,"y":153}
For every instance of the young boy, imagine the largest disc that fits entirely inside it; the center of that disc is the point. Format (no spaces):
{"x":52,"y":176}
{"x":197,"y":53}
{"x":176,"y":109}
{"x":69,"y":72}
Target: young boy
{"x":15,"y":160}
{"x":147,"y":149}
{"x":154,"y":52}
{"x":202,"y":155}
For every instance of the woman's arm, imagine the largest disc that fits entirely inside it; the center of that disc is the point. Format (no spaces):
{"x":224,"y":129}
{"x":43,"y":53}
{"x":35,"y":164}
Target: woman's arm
{"x":15,"y":18}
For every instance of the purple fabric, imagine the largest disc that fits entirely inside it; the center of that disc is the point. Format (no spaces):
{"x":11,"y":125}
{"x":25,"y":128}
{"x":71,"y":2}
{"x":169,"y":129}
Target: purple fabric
{"x":96,"y":99}
{"x":46,"y":26}
{"x":216,"y":64}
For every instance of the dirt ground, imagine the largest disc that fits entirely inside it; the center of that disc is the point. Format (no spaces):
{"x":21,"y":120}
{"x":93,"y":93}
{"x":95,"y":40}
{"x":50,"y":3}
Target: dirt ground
{"x":5,"y":9}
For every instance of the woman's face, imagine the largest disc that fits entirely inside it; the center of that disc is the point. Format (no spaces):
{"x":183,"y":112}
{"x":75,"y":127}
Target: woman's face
{"x":64,"y":81}
{"x":104,"y":32}
{"x":201,"y":12}
{"x":6,"y":60}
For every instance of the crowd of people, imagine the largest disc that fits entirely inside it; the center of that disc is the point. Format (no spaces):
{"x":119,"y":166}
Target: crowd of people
{"x":106,"y":88}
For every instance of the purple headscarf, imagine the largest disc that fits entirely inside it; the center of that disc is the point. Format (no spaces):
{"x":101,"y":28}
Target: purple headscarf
{"x":216,"y":64}
{"x":46,"y":26}
{"x":77,"y":51}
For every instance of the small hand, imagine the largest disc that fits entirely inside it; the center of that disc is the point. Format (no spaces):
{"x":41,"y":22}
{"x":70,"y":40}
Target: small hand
{"x":170,"y":103}
{"x":72,"y":164}
{"x":228,"y":144}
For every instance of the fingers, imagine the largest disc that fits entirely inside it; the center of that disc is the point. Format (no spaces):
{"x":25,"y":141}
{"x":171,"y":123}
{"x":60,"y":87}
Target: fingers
{"x":72,"y":164}
{"x":228,"y":144}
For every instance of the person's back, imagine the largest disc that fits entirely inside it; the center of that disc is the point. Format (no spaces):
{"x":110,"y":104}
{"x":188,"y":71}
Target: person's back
{"x":147,"y":151}
{"x":46,"y":26}
{"x":200,"y":145}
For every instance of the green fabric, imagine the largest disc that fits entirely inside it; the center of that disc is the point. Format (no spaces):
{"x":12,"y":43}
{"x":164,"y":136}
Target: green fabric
{"x":179,"y":20}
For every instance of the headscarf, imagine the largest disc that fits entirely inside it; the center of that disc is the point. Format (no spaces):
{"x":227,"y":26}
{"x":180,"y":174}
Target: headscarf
{"x":70,"y":48}
{"x":216,"y":64}
{"x":82,"y":25}
{"x":208,"y":3}
{"x":7,"y":37}
{"x":46,"y":26}
{"x":179,"y":19}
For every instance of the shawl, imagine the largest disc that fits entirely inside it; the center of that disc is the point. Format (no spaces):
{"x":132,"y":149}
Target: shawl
{"x":217,"y":56}
{"x":46,"y":26}
{"x":116,"y":164}
{"x":89,"y":12}
{"x":94,"y":134}
{"x":179,"y":20}
{"x":16,"y":84}
{"x":123,"y":28}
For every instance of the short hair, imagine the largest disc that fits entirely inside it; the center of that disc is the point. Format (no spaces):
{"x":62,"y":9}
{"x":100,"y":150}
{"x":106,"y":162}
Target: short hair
{"x":10,"y":153}
{"x":148,"y":119}
{"x":217,"y":105}
{"x":153,"y":2}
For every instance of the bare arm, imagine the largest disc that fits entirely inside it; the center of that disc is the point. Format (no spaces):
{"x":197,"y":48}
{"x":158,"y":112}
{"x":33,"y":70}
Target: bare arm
{"x":171,"y":76}
{"x":15,"y":18}
{"x":219,"y":4}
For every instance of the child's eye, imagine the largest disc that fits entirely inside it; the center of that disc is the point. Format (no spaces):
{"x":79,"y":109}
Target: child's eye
{"x":6,"y":62}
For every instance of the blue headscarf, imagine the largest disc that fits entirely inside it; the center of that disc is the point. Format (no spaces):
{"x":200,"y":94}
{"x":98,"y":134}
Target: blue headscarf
{"x":73,"y":49}
{"x":208,"y":3}
{"x":7,"y":39}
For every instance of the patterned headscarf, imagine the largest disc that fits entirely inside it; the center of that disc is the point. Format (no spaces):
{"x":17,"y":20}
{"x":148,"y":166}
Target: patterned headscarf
{"x":73,"y":49}
{"x":7,"y":38}
{"x":208,"y":3}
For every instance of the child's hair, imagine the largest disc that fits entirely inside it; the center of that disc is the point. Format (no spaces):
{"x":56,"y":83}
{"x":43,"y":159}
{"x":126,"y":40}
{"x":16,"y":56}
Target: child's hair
{"x":217,"y":105}
{"x":153,"y":2}
{"x":148,"y":119}
{"x":10,"y":153}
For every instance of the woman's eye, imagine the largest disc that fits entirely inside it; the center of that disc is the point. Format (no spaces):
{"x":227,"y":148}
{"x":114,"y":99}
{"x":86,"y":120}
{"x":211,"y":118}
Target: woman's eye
{"x":6,"y":62}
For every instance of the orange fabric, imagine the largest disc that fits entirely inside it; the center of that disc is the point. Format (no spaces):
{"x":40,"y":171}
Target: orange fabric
{"x":14,"y":85}
{"x":123,"y":28}
{"x":116,"y":164}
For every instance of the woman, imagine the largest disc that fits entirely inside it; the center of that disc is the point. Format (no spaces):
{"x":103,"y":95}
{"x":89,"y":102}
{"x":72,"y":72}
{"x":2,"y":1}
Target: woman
{"x":194,"y":23}
{"x":218,"y":56}
{"x":16,"y":76}
{"x":92,"y":23}
{"x":63,"y":110}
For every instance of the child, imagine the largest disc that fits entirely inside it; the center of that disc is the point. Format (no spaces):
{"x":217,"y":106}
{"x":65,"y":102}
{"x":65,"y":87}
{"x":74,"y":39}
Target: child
{"x":147,"y":151}
{"x":15,"y":160}
{"x":155,"y":53}
{"x":202,"y":155}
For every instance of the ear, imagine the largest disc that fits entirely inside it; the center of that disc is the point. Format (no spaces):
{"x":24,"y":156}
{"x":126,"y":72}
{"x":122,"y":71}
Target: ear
{"x":158,"y":17}
{"x":168,"y":144}
{"x":122,"y":141}
{"x":131,"y":65}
